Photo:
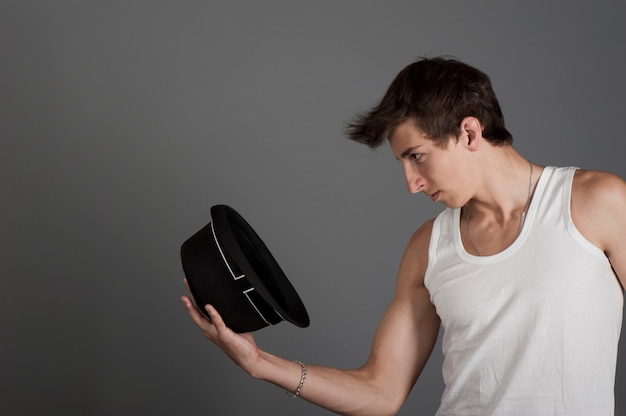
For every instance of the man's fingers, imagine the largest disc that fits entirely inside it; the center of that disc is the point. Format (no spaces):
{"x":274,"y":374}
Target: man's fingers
{"x":196,"y":316}
{"x":212,"y":324}
{"x":216,"y":318}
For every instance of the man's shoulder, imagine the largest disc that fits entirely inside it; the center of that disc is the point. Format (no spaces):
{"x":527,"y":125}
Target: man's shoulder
{"x":421,"y":236}
{"x":597,"y":205}
{"x":415,"y":259}
{"x":598,"y":187}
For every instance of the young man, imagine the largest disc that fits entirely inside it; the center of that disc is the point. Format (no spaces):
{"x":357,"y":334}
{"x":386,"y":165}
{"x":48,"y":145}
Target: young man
{"x":525,"y":269}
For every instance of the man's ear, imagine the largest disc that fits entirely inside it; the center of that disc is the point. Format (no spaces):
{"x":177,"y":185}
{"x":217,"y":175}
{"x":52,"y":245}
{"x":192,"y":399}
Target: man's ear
{"x":471,"y":132}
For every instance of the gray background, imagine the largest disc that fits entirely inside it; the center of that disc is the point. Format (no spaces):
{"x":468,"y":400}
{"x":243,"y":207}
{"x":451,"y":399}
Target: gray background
{"x":122,"y":122}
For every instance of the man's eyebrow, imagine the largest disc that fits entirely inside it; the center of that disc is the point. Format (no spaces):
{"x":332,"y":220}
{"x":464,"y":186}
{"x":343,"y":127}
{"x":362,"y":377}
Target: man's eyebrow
{"x":408,"y":151}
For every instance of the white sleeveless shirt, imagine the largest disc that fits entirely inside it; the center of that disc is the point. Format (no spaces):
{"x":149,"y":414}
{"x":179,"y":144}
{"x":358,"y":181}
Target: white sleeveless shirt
{"x":534,"y":329}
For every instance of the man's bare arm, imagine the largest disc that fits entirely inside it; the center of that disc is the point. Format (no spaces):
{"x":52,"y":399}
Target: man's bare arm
{"x":402,"y":345}
{"x":599,"y":213}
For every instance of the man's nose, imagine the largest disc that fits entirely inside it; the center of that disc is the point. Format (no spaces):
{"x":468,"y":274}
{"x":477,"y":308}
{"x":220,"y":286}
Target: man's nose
{"x":414,"y":181}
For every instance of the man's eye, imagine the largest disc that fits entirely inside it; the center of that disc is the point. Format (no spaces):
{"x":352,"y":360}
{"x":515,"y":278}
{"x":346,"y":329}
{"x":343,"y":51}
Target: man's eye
{"x":416,"y":156}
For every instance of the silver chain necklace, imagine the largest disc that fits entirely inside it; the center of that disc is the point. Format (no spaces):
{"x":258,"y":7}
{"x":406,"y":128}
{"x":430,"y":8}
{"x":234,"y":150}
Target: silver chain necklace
{"x":522,"y":216}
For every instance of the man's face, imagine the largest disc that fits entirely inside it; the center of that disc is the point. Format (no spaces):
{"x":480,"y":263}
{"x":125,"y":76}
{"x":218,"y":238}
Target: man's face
{"x":436,"y":171}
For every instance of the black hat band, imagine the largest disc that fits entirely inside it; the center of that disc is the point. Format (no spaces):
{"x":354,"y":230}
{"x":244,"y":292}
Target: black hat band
{"x":262,"y":308}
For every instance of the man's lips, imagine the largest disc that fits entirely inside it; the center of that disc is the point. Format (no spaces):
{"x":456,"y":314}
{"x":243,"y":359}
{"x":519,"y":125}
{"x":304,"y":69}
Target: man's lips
{"x":435,"y":196}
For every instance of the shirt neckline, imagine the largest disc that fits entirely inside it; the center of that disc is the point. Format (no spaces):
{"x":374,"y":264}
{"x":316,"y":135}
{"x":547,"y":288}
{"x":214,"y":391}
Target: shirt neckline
{"x":514,"y":246}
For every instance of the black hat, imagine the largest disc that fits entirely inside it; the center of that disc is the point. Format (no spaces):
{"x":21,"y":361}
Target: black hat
{"x":228,"y":266}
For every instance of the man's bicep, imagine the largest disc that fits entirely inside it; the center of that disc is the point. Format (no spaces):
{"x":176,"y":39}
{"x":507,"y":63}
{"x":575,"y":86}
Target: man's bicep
{"x":405,"y":339}
{"x":409,"y":328}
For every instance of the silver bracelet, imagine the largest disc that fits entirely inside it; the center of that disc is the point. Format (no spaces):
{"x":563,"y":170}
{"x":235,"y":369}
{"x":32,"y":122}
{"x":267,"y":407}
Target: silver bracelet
{"x":302,"y":380}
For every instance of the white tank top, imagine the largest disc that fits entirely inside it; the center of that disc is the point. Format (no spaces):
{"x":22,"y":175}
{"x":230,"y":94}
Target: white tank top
{"x":534,"y":329}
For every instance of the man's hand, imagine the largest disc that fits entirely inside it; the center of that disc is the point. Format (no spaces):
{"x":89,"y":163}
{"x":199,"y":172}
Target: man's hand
{"x":241,"y":348}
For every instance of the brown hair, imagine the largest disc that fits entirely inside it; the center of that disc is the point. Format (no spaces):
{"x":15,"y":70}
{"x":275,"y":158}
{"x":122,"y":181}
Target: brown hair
{"x":437,"y":93}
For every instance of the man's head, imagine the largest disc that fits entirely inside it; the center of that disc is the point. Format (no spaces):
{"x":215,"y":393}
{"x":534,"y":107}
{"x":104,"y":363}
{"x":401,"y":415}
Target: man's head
{"x":437,"y":94}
